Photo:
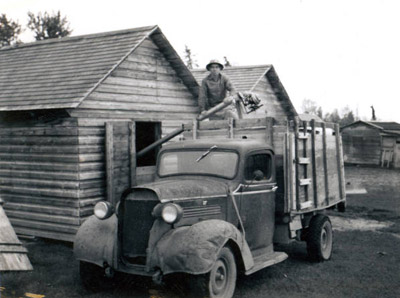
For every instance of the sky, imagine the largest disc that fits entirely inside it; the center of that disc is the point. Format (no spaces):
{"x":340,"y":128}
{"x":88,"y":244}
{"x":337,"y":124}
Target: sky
{"x":337,"y":53}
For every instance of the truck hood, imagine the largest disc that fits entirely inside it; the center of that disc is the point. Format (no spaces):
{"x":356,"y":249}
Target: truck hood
{"x":186,"y":189}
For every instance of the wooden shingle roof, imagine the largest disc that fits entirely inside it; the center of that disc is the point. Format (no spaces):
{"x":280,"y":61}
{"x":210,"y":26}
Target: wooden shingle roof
{"x":61,"y":73}
{"x":389,"y":128}
{"x":246,"y":78}
{"x":386,"y":125}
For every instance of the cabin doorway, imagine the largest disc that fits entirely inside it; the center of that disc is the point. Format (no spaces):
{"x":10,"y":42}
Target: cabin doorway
{"x":146,"y":134}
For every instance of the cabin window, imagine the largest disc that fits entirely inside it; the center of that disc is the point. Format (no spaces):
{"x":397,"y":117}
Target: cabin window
{"x":146,"y":134}
{"x":261,"y":162}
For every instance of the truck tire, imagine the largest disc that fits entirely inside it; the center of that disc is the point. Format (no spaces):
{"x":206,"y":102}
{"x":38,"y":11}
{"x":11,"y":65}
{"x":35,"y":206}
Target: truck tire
{"x":93,"y":277}
{"x":320,"y":238}
{"x":220,"y":282}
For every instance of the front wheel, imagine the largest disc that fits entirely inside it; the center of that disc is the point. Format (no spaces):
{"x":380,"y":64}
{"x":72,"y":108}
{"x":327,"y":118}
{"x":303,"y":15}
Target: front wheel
{"x":320,"y":238}
{"x":220,"y":281}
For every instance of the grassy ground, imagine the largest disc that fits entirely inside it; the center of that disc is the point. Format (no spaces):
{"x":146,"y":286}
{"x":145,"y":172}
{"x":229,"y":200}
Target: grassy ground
{"x":364,"y":263}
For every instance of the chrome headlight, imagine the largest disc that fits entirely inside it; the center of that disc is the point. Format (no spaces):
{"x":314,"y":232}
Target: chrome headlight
{"x":171,"y":213}
{"x":103,"y":210}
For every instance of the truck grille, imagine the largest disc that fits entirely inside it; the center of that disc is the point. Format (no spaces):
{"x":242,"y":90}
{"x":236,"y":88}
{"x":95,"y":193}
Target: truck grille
{"x":137,"y":222}
{"x":198,"y":211}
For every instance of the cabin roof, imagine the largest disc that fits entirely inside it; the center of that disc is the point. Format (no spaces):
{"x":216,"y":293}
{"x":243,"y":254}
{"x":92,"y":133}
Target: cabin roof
{"x":389,"y":128}
{"x":309,"y":117}
{"x":246,"y":78}
{"x":61,"y":73}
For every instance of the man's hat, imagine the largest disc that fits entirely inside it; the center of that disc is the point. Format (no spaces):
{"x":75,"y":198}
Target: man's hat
{"x":214,"y":61}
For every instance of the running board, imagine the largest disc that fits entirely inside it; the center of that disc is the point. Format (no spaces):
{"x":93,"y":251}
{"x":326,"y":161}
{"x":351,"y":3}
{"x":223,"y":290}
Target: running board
{"x":267,"y":260}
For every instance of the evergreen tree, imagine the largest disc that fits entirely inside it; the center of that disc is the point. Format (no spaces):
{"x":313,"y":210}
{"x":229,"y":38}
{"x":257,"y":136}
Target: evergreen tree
{"x":189,"y":58}
{"x":47,"y":26}
{"x":9,"y":31}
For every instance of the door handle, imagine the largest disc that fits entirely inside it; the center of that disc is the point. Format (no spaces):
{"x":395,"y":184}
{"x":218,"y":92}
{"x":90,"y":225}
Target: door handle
{"x":274,"y":188}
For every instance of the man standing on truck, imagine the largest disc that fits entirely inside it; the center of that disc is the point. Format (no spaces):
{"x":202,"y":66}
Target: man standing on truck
{"x":213,"y":90}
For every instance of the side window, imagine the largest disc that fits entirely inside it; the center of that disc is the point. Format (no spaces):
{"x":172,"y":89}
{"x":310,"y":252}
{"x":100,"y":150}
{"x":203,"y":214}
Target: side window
{"x":261,"y":162}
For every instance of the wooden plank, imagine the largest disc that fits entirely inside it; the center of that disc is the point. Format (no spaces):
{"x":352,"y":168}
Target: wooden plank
{"x":41,"y":217}
{"x":37,"y":183}
{"x":73,"y":176}
{"x":132,"y":153}
{"x":314,"y":163}
{"x":109,"y":145}
{"x":306,"y":205}
{"x":13,"y":197}
{"x":325,"y":162}
{"x":195,"y":129}
{"x":42,"y":208}
{"x":54,"y":192}
{"x":305,"y":166}
{"x":57,"y":235}
{"x":305,"y":182}
{"x":12,"y":249}
{"x":15,"y":262}
{"x":7,"y":235}
{"x":269,"y":130}
{"x":126,"y":115}
{"x":231,"y":126}
{"x":297,"y":168}
{"x":304,"y":136}
{"x":303,"y":160}
{"x":340,"y":165}
{"x":292,"y":172}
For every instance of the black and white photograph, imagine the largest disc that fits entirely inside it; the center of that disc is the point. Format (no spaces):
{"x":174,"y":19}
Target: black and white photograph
{"x":167,"y":149}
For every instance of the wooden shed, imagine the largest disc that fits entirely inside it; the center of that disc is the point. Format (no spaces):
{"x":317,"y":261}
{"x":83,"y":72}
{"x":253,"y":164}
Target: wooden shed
{"x":372,"y":143}
{"x":73,"y":112}
{"x":262,"y":80}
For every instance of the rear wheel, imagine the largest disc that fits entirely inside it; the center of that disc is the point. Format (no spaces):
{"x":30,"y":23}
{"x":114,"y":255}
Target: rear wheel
{"x":220,"y":281}
{"x":320,"y":238}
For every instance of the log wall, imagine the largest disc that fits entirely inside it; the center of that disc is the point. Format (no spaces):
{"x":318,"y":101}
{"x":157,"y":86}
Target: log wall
{"x":145,"y":87}
{"x":272,"y":106}
{"x":362,"y":145}
{"x":40,"y":177}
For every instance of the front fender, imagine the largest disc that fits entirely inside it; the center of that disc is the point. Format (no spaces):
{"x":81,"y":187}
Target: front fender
{"x":95,"y":241}
{"x":194,"y":249}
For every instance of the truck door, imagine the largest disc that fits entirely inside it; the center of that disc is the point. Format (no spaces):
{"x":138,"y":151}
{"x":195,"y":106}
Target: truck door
{"x":257,"y":200}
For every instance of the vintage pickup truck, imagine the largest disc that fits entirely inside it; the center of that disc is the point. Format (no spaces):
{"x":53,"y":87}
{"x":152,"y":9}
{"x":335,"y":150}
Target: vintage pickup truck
{"x":220,"y":201}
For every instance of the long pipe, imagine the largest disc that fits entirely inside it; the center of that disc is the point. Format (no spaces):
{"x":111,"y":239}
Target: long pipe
{"x":227,"y":101}
{"x":163,"y":140}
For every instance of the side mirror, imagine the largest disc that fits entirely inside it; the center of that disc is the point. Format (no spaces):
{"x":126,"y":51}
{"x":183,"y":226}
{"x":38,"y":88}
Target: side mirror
{"x":258,"y":175}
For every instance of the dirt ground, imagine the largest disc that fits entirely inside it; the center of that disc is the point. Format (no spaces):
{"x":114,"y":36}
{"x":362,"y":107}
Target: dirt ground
{"x":365,"y":261}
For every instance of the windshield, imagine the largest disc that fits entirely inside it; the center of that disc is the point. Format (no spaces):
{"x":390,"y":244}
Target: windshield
{"x":214,"y":162}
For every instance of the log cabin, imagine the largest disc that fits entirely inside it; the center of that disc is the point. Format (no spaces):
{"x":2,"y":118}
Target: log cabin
{"x":372,"y":143}
{"x":73,"y":111}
